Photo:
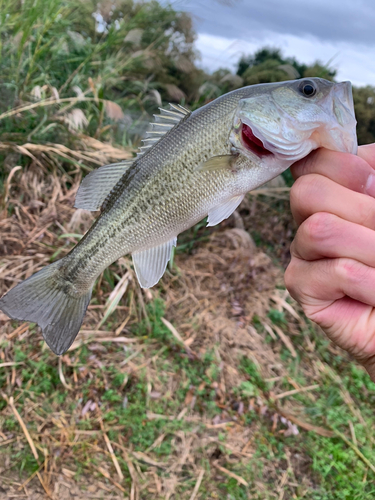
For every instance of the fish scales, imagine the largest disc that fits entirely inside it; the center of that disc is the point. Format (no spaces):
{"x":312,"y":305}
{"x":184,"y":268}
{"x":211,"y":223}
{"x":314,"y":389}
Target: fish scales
{"x":173,"y":194}
{"x":202,"y":166}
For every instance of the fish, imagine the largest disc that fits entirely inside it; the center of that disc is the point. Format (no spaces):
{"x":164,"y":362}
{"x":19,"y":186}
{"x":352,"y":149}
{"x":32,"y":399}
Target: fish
{"x":192,"y":165}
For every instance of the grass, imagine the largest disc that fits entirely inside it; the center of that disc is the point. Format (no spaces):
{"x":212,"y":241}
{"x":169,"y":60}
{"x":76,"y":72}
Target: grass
{"x":212,"y":385}
{"x":213,"y":402}
{"x":208,"y":410}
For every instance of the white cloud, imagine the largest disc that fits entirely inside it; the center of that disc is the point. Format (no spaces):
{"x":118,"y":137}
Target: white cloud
{"x":327,"y":20}
{"x":354,"y":62}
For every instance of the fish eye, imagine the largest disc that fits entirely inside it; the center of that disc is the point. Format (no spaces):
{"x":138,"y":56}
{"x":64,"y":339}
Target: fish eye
{"x":308,"y":89}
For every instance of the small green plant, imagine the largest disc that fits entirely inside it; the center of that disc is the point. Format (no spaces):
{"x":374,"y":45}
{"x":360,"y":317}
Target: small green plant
{"x":277,"y":317}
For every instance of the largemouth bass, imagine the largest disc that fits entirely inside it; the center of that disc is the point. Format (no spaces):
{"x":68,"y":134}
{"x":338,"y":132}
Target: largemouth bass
{"x":192,"y":165}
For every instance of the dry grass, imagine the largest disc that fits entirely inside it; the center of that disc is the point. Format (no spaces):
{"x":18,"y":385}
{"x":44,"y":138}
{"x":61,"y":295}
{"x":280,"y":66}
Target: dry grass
{"x":219,"y":432}
{"x":91,"y":153}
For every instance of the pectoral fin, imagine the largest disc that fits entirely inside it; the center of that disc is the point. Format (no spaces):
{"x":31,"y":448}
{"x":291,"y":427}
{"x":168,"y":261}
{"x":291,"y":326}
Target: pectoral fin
{"x":223,"y":211}
{"x":221,"y":162}
{"x":150,"y":264}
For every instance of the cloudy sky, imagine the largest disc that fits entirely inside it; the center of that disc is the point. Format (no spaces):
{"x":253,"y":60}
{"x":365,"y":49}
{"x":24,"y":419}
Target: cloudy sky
{"x":341,"y":32}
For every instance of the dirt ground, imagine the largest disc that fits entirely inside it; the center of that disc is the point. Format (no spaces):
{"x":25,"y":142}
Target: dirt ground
{"x":220,"y":370}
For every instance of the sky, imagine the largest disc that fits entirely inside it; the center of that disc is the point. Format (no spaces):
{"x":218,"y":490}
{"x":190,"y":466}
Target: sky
{"x":341,"y":32}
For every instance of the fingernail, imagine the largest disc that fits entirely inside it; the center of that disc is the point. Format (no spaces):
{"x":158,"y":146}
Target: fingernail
{"x":370,"y":185}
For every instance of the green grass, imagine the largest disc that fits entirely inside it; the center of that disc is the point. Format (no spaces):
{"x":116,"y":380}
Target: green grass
{"x":218,"y":397}
{"x":330,"y":465}
{"x":155,"y":389}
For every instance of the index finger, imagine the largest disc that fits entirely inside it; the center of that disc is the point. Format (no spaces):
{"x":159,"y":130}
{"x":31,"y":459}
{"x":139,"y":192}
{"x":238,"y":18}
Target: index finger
{"x":351,"y":171}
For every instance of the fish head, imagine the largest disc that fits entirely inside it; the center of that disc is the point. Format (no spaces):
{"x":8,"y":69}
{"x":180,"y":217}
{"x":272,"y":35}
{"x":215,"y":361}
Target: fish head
{"x":280,"y":123}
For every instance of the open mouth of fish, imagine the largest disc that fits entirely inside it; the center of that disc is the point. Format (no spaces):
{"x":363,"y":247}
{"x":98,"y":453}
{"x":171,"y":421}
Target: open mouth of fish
{"x":252,"y":143}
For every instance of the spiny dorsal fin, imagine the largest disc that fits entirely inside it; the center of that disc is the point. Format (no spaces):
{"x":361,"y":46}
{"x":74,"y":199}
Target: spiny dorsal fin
{"x":168,"y":119}
{"x":97,"y":185}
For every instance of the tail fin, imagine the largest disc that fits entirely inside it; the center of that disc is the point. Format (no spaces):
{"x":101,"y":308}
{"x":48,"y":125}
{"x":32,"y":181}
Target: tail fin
{"x":49,"y":300}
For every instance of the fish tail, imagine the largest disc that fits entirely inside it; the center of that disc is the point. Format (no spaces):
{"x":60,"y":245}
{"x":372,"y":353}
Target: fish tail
{"x":51,"y":301}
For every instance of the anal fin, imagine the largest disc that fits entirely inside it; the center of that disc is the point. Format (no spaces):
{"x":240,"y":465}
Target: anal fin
{"x":150,"y":264}
{"x":223,"y":211}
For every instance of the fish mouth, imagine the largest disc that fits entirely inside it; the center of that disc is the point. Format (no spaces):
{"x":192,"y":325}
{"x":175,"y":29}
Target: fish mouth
{"x":253,"y":143}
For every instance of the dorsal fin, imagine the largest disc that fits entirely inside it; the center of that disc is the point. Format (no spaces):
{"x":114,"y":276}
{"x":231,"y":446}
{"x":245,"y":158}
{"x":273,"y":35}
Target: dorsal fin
{"x":98,"y":184}
{"x":168,"y":119}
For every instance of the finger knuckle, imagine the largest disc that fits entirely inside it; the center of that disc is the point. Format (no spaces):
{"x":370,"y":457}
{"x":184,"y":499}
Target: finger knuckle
{"x":351,"y":272}
{"x":290,"y":278}
{"x":296,"y":193}
{"x":308,"y":163}
{"x":319,"y":227}
{"x":293,"y":246}
{"x":366,"y":212}
{"x":357,"y":164}
{"x":356,"y":172}
{"x":304,"y":188}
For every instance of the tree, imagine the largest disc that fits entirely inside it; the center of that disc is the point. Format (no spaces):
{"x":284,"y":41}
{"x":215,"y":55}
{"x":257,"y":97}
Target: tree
{"x":269,"y":65}
{"x":364,"y":104}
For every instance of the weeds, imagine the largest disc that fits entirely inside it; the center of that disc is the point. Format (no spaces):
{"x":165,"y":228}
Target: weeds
{"x":214,"y":402}
{"x":214,"y":384}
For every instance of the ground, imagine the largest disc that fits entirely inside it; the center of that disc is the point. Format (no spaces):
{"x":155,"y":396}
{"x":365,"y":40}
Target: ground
{"x":212,"y":385}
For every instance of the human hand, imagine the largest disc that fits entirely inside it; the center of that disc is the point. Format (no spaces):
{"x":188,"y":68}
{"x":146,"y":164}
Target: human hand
{"x":332,"y":268}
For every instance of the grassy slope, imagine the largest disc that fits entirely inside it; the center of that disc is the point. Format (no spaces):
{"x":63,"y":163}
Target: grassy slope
{"x":247,"y":400}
